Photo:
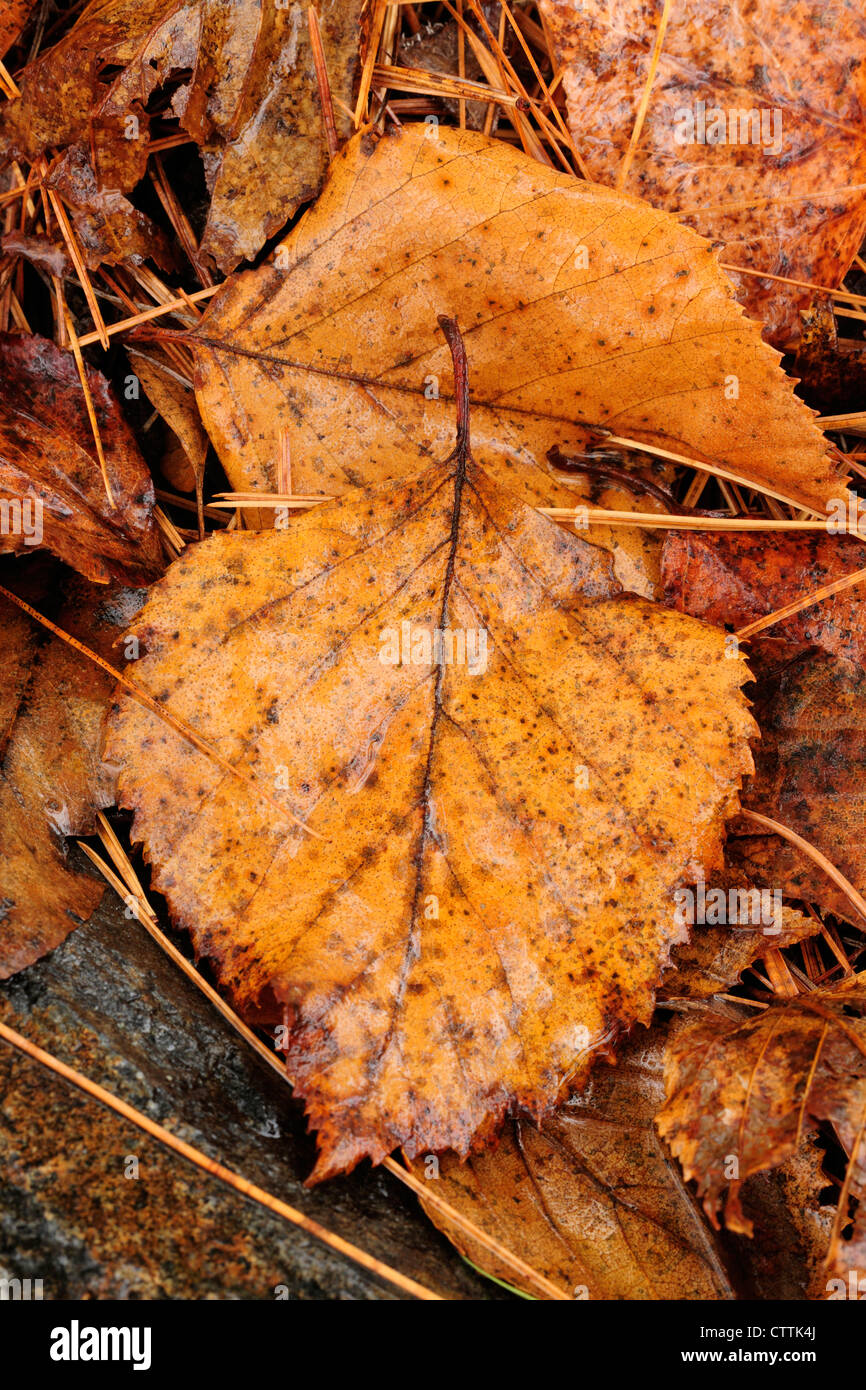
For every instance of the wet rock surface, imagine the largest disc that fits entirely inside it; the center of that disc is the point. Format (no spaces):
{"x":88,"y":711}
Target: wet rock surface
{"x":110,"y":1004}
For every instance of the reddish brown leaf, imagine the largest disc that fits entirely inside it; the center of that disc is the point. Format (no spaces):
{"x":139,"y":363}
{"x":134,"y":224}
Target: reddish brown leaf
{"x":787,"y":199}
{"x":735,"y":579}
{"x":51,"y":488}
{"x":741,"y":1094}
{"x":810,"y":776}
{"x":109,"y":229}
{"x":52,"y":704}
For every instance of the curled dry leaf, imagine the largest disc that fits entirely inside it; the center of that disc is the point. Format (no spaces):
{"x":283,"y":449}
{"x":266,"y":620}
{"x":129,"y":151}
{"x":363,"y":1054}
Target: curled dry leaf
{"x":591,"y":1200}
{"x":753,"y":134}
{"x":793,"y":1228}
{"x":811,"y":777}
{"x":52,"y":704}
{"x":740,"y":1096}
{"x":581,"y":308}
{"x":50,"y":480}
{"x":739,"y":578}
{"x":47,"y":254}
{"x":109,"y":229}
{"x":496,"y":822}
{"x":716,"y":956}
{"x":250,"y":101}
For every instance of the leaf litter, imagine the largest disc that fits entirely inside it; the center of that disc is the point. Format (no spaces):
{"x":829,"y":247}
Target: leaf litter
{"x":450,"y":885}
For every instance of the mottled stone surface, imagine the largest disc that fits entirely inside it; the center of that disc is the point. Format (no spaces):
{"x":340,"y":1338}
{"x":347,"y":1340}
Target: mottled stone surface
{"x":110,"y":1004}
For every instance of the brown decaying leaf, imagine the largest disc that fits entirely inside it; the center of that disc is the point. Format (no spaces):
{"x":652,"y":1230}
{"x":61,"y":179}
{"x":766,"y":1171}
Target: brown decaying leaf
{"x":793,"y":1226}
{"x":109,"y":229}
{"x":639,"y":335}
{"x":811,"y":776}
{"x":48,"y":455}
{"x":485,"y":900}
{"x":741,"y":1095}
{"x":831,"y":370}
{"x":716,"y":956}
{"x":592,"y":1199}
{"x":738,"y":578}
{"x":790,"y":202}
{"x":42,"y":251}
{"x":251,"y":101}
{"x":52,"y":704}
{"x":13,"y":17}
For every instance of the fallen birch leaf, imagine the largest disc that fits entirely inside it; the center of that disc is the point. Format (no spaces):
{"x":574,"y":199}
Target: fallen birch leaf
{"x":581,"y":309}
{"x":753,"y":134}
{"x":52,"y":492}
{"x":591,"y":1200}
{"x":496,"y":823}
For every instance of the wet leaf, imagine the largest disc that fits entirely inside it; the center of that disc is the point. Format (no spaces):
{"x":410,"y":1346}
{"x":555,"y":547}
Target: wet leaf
{"x":13,"y":17}
{"x":249,"y":100}
{"x":50,"y":479}
{"x":810,"y":776}
{"x":716,"y":956}
{"x":52,"y":705}
{"x":592,"y":1199}
{"x":740,"y":1095}
{"x":782,"y":83}
{"x":483,"y":900}
{"x":109,"y":229}
{"x":793,"y":1226}
{"x":581,"y":309}
{"x":735,"y":579}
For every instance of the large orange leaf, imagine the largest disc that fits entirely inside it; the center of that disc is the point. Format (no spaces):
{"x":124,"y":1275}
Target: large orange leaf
{"x":581,"y":308}
{"x":482,"y":899}
{"x":753,"y":133}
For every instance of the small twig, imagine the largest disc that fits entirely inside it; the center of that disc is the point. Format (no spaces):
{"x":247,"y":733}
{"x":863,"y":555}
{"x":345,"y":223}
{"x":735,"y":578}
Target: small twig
{"x":632,"y":482}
